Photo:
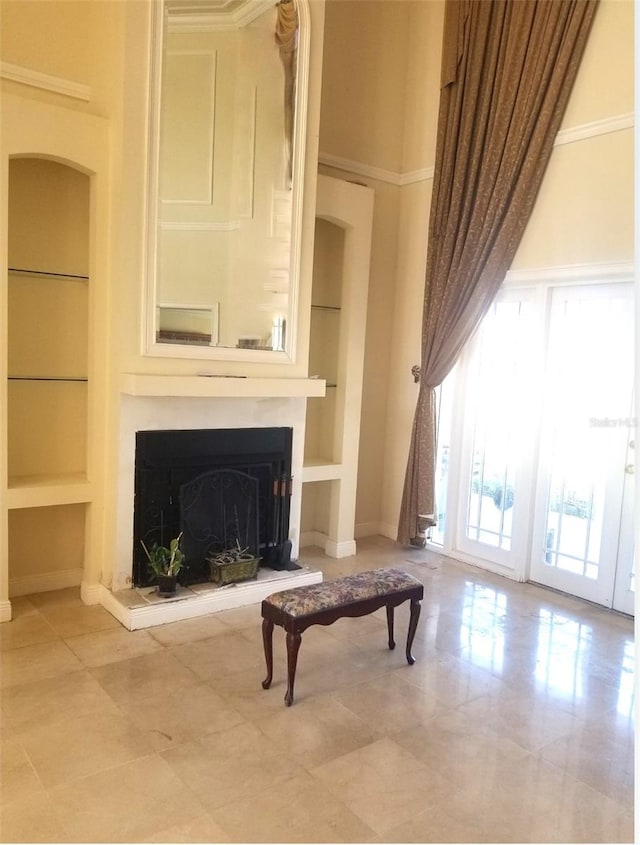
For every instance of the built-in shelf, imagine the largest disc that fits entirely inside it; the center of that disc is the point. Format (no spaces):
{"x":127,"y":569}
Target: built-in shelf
{"x":44,"y":274}
{"x":48,"y":378}
{"x":344,"y":216}
{"x":36,"y":491}
{"x":143,"y":384}
{"x":321,"y":469}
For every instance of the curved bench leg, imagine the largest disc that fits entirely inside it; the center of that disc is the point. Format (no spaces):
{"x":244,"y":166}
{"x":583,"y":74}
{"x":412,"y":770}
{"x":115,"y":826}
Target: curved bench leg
{"x":413,"y":624}
{"x":390,"y":610}
{"x":267,"y":639}
{"x":293,"y":644}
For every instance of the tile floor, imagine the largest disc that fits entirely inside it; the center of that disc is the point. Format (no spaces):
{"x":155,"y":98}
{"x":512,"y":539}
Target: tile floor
{"x":514,"y":725}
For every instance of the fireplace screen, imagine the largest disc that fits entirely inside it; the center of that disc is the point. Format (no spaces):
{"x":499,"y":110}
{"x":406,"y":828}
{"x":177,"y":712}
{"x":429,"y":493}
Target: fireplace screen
{"x":218,"y":487}
{"x":219,"y":511}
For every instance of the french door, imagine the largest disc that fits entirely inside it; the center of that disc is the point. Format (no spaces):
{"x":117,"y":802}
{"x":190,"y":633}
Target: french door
{"x":582,"y":535}
{"x":539,"y":455}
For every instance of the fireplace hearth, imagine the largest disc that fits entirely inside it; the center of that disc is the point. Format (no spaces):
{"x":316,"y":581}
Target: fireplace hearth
{"x":218,"y":487}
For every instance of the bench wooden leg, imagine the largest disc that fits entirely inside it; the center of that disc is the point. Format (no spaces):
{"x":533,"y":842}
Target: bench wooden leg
{"x":413,"y":624}
{"x":390,"y":610}
{"x":267,"y":639}
{"x":293,"y":644}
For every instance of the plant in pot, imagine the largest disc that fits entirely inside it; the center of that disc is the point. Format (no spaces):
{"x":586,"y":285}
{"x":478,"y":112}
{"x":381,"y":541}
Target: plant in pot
{"x":232,"y":565}
{"x":165,"y":563}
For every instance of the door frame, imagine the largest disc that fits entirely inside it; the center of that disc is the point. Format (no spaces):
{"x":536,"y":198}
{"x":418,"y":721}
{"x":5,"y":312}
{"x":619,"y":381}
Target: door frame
{"x":542,"y":281}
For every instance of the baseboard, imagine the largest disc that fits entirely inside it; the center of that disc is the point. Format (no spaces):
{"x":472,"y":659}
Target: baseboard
{"x":5,"y":611}
{"x":346,"y":548}
{"x":366,"y":529}
{"x":312,"y":538}
{"x":45,"y":582}
{"x":388,"y":530}
{"x":115,"y":608}
{"x":91,"y":593}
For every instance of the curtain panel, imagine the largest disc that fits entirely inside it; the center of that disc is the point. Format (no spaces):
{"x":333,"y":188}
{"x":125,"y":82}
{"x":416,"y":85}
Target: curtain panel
{"x":286,"y":36}
{"x":508,"y":67}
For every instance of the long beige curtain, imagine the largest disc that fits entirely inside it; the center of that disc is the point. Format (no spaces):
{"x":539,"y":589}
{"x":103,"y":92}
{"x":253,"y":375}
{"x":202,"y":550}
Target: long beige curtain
{"x":508,"y":67}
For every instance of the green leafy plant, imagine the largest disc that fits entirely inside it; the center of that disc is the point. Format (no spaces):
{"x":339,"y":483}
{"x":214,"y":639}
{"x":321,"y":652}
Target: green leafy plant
{"x":163,"y":560}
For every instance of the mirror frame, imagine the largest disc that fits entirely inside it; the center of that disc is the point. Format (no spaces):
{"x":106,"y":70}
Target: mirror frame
{"x":150,"y":346}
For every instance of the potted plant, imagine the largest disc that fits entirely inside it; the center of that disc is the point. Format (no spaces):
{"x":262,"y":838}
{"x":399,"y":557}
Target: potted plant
{"x":166,"y":563}
{"x":232,"y":565}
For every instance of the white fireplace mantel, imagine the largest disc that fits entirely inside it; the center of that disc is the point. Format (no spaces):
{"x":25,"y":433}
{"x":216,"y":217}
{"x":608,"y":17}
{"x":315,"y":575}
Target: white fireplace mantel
{"x":164,"y":402}
{"x":205,"y":385}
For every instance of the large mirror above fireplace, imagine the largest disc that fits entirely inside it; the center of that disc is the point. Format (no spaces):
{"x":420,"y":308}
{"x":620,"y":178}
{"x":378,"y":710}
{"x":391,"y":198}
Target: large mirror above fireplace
{"x":227,"y":136}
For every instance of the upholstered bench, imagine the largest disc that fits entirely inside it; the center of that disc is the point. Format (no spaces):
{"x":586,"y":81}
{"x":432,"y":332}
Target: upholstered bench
{"x":322,"y":604}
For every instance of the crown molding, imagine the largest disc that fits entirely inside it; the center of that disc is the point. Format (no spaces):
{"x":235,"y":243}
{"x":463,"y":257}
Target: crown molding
{"x":200,"y":17}
{"x":619,"y":271}
{"x":378,"y":173}
{"x":595,"y":128}
{"x":565,"y":136}
{"x":45,"y":81}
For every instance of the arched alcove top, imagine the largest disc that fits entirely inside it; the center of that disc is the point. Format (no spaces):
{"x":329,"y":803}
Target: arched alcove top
{"x":40,"y":130}
{"x":345,"y":204}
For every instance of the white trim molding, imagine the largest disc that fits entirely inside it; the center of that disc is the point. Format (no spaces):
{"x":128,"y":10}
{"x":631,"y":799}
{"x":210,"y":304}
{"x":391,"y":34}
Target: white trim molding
{"x":135,"y":613}
{"x":592,"y":130}
{"x":45,"y":582}
{"x":389,"y":530}
{"x":332,"y":548}
{"x":569,"y":135}
{"x":367,"y":529}
{"x":91,"y":593}
{"x":621,"y":271}
{"x":378,"y":173}
{"x":359,"y":168}
{"x":5,"y":611}
{"x":203,"y":226}
{"x":338,"y":549}
{"x":414,"y":176}
{"x":45,"y":81}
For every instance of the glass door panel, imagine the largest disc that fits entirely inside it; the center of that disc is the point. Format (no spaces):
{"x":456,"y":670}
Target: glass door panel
{"x":497,"y":417}
{"x":586,"y":414}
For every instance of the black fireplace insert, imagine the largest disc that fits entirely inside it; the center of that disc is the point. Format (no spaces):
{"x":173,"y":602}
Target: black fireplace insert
{"x":219,"y":487}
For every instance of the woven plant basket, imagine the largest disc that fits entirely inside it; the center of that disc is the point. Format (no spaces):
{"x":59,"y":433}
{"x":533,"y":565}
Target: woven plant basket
{"x":231,"y":571}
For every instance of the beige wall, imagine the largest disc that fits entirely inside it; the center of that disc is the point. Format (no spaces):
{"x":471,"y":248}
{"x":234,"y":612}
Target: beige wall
{"x":381,"y":69}
{"x":102,"y":48}
{"x":364,"y":77}
{"x":379,"y":109}
{"x":78,"y":41}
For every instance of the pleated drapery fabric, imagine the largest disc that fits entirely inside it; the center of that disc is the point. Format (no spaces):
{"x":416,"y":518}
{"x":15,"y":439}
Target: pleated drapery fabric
{"x":508,"y":67}
{"x":287,"y":40}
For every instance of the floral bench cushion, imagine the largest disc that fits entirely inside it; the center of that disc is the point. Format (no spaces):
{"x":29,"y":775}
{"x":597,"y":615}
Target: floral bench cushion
{"x":303,"y":601}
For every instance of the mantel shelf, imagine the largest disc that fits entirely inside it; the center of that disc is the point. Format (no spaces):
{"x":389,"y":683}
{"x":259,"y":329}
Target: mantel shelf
{"x":234,"y":387}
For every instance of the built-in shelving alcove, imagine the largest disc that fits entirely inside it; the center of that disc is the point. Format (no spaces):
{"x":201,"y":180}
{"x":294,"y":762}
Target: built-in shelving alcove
{"x":344,"y":219}
{"x":47,"y":373}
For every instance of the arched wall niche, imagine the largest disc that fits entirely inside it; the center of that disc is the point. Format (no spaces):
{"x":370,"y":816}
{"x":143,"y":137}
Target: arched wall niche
{"x":54,"y":370}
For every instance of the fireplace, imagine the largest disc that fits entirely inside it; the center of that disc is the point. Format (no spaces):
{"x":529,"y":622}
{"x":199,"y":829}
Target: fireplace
{"x":218,"y":487}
